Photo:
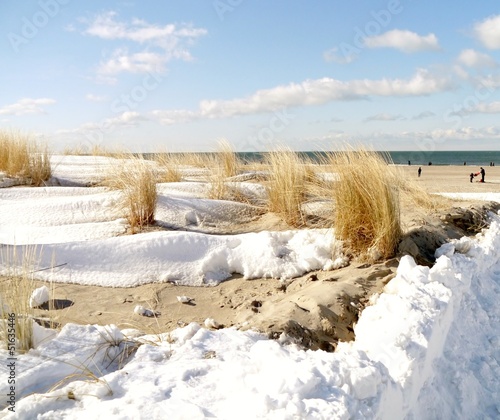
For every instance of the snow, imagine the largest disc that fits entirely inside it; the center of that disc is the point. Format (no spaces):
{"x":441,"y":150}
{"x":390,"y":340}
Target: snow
{"x":39,"y":296}
{"x":187,"y":258}
{"x":473,"y":196}
{"x":426,"y":348}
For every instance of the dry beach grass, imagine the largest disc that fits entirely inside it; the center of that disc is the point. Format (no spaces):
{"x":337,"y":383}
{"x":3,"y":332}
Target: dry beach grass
{"x":367,"y":216}
{"x":136,"y":178}
{"x":24,"y":158}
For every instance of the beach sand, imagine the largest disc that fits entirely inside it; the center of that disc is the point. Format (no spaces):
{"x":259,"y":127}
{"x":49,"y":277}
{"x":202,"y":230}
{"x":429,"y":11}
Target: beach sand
{"x":454,"y":179}
{"x":318,"y":309}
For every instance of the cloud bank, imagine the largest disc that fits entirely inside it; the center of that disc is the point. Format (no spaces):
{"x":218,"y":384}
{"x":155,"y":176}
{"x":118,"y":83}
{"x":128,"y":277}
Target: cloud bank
{"x":310,"y":92}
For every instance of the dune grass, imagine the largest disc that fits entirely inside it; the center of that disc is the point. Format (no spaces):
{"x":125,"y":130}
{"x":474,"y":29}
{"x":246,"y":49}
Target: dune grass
{"x":227,"y":158}
{"x":23,"y":157}
{"x":367,"y":206}
{"x":16,"y":286}
{"x":287,"y":185}
{"x":92,"y":150}
{"x":220,"y":166}
{"x":136,"y":178}
{"x":168,"y":167}
{"x":217,"y":180}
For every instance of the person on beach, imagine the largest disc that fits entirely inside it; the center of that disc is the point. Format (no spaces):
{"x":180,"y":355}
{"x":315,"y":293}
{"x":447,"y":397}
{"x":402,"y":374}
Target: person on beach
{"x":472,"y":176}
{"x":483,"y":173}
{"x":419,"y":171}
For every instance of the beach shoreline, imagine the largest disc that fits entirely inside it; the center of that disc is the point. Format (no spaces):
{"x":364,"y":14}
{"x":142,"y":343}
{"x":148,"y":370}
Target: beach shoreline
{"x":453,"y":178}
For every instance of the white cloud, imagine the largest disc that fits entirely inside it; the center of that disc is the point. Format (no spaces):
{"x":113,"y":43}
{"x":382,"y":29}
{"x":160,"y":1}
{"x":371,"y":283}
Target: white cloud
{"x":462,"y":133}
{"x":310,"y":92}
{"x":156,"y":44}
{"x":107,"y":125}
{"x":488,"y":108}
{"x":488,"y":32}
{"x":472,"y":58}
{"x":126,"y":119}
{"x":418,"y":137}
{"x":143,"y":62}
{"x":340,"y":55}
{"x":423,"y":115}
{"x":490,"y":82}
{"x":95,"y":98}
{"x":384,"y":117}
{"x":27,"y":106}
{"x":480,"y":108}
{"x":105,"y":26}
{"x":406,"y":41}
{"x":167,"y":117}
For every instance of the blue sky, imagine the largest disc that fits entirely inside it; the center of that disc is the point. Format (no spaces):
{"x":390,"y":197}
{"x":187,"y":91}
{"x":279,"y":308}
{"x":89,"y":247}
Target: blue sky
{"x":181,"y":75}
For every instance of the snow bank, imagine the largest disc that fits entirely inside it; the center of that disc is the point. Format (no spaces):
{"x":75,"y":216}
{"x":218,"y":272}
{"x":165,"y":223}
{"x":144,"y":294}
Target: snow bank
{"x":55,"y":214}
{"x":79,"y":170}
{"x":189,"y":258}
{"x":427,"y":348}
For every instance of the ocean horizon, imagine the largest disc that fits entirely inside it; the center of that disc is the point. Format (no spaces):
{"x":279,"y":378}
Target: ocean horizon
{"x":415,"y":157}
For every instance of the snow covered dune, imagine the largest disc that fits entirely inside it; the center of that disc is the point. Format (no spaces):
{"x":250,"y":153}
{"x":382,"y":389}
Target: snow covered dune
{"x":427,"y":348}
{"x":189,"y":258}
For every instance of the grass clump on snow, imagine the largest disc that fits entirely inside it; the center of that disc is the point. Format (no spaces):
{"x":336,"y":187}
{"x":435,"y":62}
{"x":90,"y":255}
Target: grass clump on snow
{"x":168,"y":167}
{"x":135,"y":177}
{"x":228,"y":160}
{"x":16,"y":287}
{"x":221,"y":165}
{"x":22,"y":157}
{"x":287,"y":185}
{"x":367,"y":208}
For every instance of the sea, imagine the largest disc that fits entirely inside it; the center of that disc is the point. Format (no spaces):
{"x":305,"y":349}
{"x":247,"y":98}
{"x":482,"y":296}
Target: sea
{"x":415,"y":157}
{"x":474,"y":158}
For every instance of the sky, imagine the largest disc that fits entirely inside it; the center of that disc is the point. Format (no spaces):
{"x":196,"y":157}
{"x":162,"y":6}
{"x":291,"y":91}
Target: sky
{"x":183,"y":75}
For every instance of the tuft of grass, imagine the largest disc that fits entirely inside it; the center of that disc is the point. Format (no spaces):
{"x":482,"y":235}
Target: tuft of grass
{"x":23,"y":157}
{"x":83,"y":373}
{"x":218,"y":188}
{"x":135,"y":177}
{"x":228,"y":161}
{"x":39,"y":164}
{"x":367,"y":207}
{"x":94,"y":150}
{"x":168,"y":167}
{"x":287,"y":185}
{"x":220,"y":166}
{"x":16,"y":285}
{"x":197,"y":160}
